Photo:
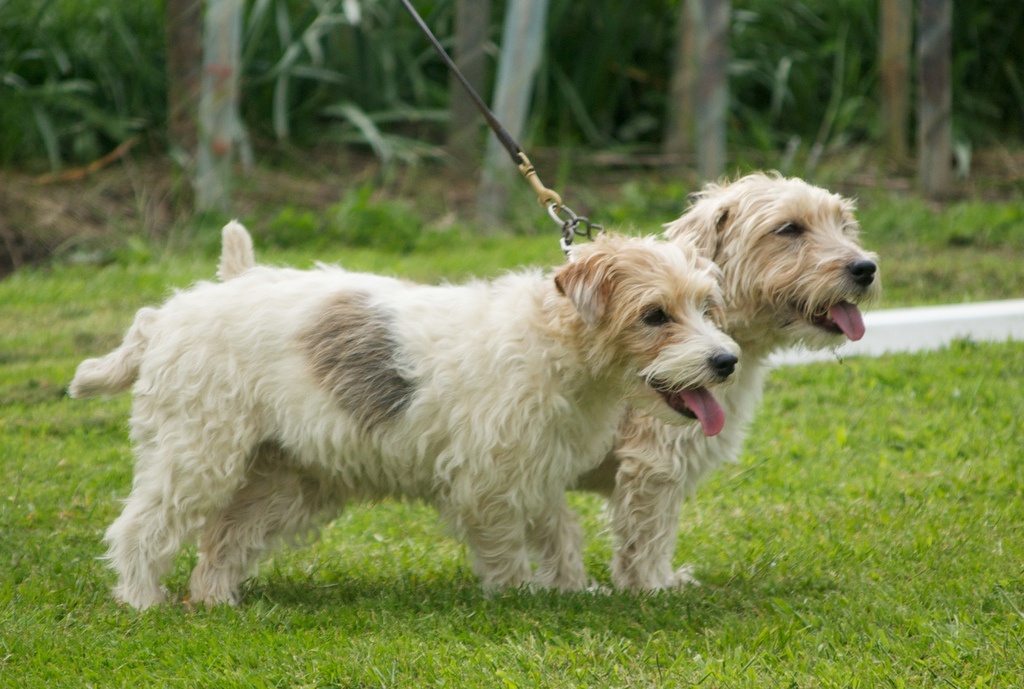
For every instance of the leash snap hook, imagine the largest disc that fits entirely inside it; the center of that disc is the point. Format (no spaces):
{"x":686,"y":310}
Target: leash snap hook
{"x":547,"y":197}
{"x":571,"y":225}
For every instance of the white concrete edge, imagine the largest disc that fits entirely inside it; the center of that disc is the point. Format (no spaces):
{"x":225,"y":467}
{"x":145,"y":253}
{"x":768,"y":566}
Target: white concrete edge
{"x":921,"y":329}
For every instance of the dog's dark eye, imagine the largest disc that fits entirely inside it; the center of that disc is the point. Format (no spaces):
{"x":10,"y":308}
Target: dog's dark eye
{"x":656,"y":316}
{"x":790,"y":229}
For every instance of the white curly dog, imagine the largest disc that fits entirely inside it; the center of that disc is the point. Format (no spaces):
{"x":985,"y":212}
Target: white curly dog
{"x":793,"y":273}
{"x":263,"y":403}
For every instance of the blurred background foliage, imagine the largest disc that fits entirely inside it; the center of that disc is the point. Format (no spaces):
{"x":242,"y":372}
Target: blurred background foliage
{"x":77,"y":77}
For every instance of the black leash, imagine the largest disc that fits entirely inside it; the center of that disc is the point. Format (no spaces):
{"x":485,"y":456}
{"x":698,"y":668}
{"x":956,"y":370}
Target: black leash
{"x":559,"y":212}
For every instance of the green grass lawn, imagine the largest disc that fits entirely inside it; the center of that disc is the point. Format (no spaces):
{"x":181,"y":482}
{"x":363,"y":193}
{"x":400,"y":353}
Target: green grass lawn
{"x":872,"y":534}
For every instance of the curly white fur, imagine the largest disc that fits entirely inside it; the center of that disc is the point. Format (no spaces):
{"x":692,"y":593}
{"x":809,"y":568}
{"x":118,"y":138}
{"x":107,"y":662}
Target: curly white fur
{"x":788,"y":252}
{"x":264,"y":403}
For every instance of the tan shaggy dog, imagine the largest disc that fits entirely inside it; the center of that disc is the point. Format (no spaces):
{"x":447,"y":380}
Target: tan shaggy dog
{"x":264,"y":403}
{"x":793,"y":272}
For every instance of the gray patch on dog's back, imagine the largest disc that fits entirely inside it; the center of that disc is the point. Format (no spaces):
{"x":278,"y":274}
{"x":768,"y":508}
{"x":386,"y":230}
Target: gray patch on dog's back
{"x":352,"y":351}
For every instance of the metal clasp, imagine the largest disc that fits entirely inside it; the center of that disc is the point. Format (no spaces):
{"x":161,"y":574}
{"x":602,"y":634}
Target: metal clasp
{"x":571,"y":225}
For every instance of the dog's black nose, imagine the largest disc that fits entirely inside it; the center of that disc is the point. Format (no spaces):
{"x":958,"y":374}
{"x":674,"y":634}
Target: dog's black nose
{"x":724,"y":363}
{"x":862,"y":271}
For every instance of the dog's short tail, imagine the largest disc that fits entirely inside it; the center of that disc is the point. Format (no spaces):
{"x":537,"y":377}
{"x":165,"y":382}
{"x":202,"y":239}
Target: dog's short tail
{"x":117,"y":371}
{"x":236,"y":255}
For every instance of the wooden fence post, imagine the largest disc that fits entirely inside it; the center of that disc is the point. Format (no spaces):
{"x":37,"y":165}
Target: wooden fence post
{"x":712,"y":93}
{"x":896,"y":18}
{"x":934,"y":108}
{"x":679,"y":117}
{"x":184,"y":72}
{"x":521,"y":42}
{"x":472,"y":20}
{"x":220,"y":127}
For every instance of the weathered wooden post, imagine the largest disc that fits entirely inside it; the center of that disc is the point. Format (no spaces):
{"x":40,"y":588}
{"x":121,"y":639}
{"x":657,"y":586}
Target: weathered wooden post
{"x":896,"y":18}
{"x":677,"y":143}
{"x":184,"y":72}
{"x":712,"y":93}
{"x":220,"y":127}
{"x":472,"y":19}
{"x":935,"y":100}
{"x":521,"y":42}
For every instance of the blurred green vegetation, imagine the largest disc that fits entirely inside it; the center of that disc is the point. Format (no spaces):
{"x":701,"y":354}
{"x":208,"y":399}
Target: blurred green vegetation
{"x":79,"y":76}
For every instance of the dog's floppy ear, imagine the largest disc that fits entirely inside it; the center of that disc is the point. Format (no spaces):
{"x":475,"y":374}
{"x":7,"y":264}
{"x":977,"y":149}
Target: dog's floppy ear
{"x":704,"y":222}
{"x":584,"y":280}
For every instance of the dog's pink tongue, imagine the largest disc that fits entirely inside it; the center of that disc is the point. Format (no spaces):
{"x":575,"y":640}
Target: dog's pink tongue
{"x":847,"y":317}
{"x":707,"y":409}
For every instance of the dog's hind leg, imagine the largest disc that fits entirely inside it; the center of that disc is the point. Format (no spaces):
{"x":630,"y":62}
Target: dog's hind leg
{"x":142,"y":542}
{"x":276,"y":504}
{"x":183,"y":475}
{"x":557,"y":542}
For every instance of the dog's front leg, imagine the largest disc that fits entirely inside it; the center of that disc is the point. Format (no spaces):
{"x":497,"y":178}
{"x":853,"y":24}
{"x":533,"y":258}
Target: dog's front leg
{"x":557,"y":543}
{"x":644,"y":510}
{"x":497,"y":539}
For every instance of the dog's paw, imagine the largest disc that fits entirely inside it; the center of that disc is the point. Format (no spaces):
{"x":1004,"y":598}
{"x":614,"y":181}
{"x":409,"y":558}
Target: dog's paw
{"x":140,"y":600}
{"x":211,"y":600}
{"x":683,"y":577}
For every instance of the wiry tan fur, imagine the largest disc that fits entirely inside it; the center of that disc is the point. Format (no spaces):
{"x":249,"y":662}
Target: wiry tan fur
{"x":775,"y":284}
{"x":264,"y":403}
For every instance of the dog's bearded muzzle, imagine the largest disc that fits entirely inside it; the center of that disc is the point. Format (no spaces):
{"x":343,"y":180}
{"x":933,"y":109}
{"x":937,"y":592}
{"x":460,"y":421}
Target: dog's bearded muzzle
{"x":841,"y":318}
{"x":841,"y":315}
{"x":695,"y":401}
